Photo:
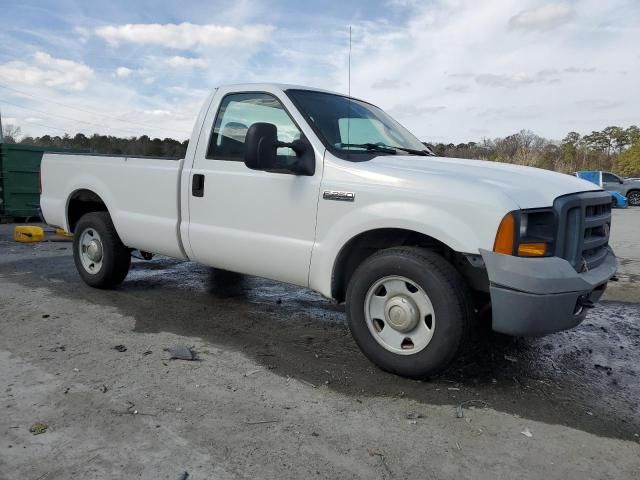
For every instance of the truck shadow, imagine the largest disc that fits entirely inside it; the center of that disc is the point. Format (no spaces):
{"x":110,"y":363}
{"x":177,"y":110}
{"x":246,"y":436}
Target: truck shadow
{"x":586,"y":378}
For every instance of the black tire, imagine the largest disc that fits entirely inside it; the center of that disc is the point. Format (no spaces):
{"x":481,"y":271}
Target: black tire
{"x":116,"y":258}
{"x":449,"y":296}
{"x":634,"y":198}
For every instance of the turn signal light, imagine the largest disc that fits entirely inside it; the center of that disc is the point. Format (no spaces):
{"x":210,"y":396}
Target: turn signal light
{"x":532,"y":249}
{"x":505,"y":238}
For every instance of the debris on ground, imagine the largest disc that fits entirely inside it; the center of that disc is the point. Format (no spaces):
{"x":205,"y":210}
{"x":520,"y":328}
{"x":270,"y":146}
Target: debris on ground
{"x":378,"y":453}
{"x":131,"y":411}
{"x":413,"y":416}
{"x":103,"y":388}
{"x":182,"y":352}
{"x":597,"y":366}
{"x":38,"y":428}
{"x":527,"y":433}
{"x":307,"y":383}
{"x":460,"y":407}
{"x":148,"y":352}
{"x":120,"y":348}
{"x":260,"y":422}
{"x":511,"y":359}
{"x":184,"y":476}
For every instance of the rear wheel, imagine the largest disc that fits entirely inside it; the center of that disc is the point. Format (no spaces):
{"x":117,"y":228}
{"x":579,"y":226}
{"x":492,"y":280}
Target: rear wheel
{"x":633,"y":197}
{"x":100,"y":256}
{"x":409,"y":310}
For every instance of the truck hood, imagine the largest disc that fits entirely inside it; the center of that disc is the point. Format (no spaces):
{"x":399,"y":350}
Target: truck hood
{"x":528,"y":187}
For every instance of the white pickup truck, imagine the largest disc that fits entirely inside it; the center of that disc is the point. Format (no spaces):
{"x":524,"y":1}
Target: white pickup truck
{"x":328,"y":192}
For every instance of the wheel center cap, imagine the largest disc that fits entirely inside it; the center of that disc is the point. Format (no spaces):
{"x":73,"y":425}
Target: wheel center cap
{"x":401,"y":313}
{"x":94,"y":251}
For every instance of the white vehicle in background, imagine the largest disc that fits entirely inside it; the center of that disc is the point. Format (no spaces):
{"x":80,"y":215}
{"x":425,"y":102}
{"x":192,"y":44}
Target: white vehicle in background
{"x":323,"y":191}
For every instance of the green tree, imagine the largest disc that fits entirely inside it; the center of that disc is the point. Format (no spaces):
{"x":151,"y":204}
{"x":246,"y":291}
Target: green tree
{"x":633,"y":132}
{"x":628,"y":162}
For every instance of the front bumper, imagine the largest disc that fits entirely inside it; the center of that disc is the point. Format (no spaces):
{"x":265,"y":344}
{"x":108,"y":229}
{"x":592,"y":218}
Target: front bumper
{"x":537,"y":296}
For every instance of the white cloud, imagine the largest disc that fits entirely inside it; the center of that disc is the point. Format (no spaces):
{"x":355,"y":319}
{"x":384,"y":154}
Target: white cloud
{"x":465,"y":55}
{"x":123,"y":72}
{"x":184,"y":35}
{"x":390,"y":83}
{"x":486,"y":64}
{"x":157,"y":113}
{"x":185,"y":62}
{"x":513,"y":80}
{"x":413,"y":110}
{"x":545,"y":17}
{"x":33,"y":120}
{"x":49,"y":71}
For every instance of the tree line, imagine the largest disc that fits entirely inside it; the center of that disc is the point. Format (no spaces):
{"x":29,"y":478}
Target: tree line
{"x":103,"y":144}
{"x":613,"y":149}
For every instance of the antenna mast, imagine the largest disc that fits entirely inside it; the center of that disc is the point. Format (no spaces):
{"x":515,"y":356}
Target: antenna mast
{"x":349,"y":87}
{"x":349,"y":96}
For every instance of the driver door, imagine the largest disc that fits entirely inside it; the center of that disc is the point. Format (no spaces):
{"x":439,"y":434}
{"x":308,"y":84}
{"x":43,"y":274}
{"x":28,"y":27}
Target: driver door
{"x":611,"y":182}
{"x":248,"y":221}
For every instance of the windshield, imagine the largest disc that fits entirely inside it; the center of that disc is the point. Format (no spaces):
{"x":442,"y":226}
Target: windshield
{"x":349,"y":126}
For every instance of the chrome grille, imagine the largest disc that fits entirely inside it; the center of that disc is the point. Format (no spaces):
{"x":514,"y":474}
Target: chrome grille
{"x":584,"y":222}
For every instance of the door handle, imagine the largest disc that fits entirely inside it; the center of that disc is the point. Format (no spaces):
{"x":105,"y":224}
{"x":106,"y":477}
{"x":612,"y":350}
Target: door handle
{"x":197,"y":185}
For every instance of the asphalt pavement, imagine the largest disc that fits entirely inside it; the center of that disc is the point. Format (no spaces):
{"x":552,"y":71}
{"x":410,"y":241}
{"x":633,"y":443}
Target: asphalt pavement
{"x":282,"y":391}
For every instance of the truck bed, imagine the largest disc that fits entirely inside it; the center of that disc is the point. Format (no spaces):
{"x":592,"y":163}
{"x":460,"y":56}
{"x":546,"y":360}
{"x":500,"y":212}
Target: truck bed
{"x":141,"y":194}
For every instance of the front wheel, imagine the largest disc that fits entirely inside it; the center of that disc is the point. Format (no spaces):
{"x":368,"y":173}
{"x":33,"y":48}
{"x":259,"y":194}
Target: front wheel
{"x":409,"y":310}
{"x":100,"y":257}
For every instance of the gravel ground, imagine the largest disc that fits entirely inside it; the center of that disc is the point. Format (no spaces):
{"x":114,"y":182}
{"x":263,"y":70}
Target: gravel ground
{"x":281,"y":390}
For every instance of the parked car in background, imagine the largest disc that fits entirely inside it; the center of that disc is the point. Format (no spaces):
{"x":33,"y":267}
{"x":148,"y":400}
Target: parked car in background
{"x":629,"y":187}
{"x":614,"y":185}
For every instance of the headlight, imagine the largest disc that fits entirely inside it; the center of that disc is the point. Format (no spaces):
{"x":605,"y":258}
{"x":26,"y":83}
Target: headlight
{"x":526,"y":233}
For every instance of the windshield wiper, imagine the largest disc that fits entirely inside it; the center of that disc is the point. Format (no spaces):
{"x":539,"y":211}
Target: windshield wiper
{"x":413,"y":151}
{"x":380,"y":147}
{"x":374,"y":147}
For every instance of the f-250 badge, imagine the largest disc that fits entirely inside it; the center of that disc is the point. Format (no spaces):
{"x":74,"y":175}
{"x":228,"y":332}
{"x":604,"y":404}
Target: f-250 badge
{"x":339,"y":196}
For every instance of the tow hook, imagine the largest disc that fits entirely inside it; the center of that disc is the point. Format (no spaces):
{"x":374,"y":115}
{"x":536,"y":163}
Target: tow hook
{"x":585,"y":302}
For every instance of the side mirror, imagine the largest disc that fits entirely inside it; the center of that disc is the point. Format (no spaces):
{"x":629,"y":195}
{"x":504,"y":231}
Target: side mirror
{"x":260,"y":151}
{"x":260,"y":146}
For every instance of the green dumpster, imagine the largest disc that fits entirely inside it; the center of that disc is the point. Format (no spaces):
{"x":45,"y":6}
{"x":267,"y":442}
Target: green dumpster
{"x":19,"y":171}
{"x":19,"y":179}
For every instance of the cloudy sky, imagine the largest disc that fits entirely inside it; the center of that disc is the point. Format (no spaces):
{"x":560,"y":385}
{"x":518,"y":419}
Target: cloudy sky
{"x":449,"y":70}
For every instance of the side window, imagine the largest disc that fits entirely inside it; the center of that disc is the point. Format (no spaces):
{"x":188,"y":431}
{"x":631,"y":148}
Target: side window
{"x":609,"y":178}
{"x":237,"y":112}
